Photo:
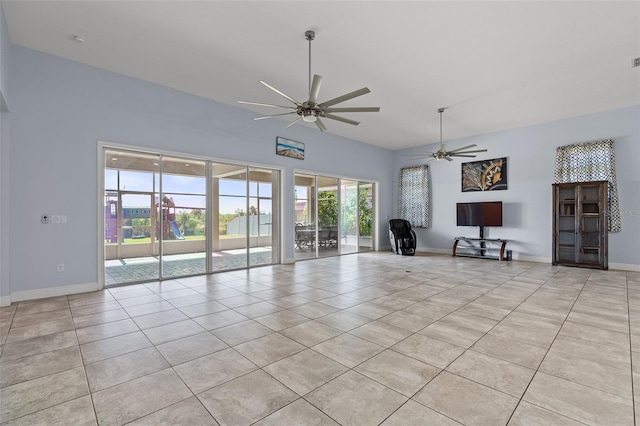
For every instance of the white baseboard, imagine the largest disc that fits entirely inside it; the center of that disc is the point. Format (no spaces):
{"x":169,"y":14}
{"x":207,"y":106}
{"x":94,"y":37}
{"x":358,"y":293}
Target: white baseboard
{"x":288,"y":261}
{"x":515,"y":255}
{"x":431,"y":250}
{"x":616,"y":266}
{"x":43,"y":293}
{"x":536,"y":259}
{"x":625,"y":267}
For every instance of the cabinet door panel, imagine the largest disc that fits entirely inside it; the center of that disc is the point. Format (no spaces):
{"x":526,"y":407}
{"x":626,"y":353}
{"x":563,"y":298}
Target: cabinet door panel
{"x":566,"y":238}
{"x":590,"y":193}
{"x":591,"y":255}
{"x":590,"y":208}
{"x":590,"y":239}
{"x":565,"y":194}
{"x":566,"y":254}
{"x":591,"y":224}
{"x":566,"y":224}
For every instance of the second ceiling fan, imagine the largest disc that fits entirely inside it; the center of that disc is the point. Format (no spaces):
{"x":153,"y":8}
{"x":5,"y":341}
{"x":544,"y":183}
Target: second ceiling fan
{"x":311,"y":110}
{"x":443,"y":154}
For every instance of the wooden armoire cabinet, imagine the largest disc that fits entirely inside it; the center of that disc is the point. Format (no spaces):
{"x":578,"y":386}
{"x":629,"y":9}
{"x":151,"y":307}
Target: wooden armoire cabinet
{"x":580,"y":227}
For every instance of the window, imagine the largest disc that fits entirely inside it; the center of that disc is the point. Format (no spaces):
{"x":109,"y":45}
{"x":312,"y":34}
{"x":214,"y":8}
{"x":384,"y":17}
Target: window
{"x":587,"y":162}
{"x":413,"y":196}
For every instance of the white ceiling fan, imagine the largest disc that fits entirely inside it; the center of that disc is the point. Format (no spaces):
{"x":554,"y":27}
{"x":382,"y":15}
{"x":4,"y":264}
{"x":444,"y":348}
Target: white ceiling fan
{"x":310,"y":110}
{"x":442,"y":153}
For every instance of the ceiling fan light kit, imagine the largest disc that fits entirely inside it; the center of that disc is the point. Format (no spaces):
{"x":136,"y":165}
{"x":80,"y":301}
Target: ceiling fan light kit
{"x":311,"y":111}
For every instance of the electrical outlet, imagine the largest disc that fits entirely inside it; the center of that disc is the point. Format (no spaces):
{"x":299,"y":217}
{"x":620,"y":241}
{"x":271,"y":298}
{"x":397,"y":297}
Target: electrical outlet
{"x":60,"y":267}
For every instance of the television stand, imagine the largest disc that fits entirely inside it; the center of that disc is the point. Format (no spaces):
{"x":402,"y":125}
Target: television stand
{"x":485,"y":248}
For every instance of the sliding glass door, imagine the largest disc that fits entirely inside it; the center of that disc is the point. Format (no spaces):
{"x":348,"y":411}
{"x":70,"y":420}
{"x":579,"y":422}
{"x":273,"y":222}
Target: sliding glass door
{"x":169,"y":216}
{"x":328,"y":216}
{"x":263,"y":225}
{"x":333,"y":216}
{"x":130,"y":221}
{"x":349,"y":215}
{"x":182,"y":217}
{"x":365,"y":216}
{"x":304,"y":216}
{"x":229,"y":198}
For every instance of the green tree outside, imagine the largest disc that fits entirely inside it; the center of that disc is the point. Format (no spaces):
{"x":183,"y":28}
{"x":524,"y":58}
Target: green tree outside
{"x":328,"y":208}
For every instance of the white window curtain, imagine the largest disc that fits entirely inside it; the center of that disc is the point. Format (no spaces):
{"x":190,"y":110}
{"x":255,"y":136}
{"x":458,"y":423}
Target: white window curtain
{"x":591,"y":161}
{"x":413,"y":196}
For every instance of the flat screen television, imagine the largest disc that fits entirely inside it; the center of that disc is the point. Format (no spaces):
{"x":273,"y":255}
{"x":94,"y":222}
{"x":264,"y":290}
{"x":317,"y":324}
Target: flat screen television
{"x":487,"y":213}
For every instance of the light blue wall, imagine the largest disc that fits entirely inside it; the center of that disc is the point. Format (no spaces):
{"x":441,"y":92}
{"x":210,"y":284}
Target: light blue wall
{"x":62,"y":108}
{"x":530,"y":153}
{"x":5,"y":45}
{"x":5,"y":48}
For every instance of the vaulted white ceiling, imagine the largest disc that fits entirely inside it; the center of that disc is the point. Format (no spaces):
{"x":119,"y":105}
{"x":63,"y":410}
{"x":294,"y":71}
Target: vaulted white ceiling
{"x":494,"y":65}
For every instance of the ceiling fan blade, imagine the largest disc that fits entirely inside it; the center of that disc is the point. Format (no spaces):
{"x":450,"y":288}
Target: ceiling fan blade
{"x":419,"y":157}
{"x":320,"y":125}
{"x":293,"y":122}
{"x":346,"y":97}
{"x":344,"y":120}
{"x":448,"y":158}
{"x":463,"y":148}
{"x":265,"y":105}
{"x":315,"y":88}
{"x":426,"y":157}
{"x":461,"y":155}
{"x":354,"y":109}
{"x":426,"y":154}
{"x":469,"y":152}
{"x":274,"y":115}
{"x":280,"y":93}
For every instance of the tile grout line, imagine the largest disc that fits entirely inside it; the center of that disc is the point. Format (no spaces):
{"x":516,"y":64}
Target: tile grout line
{"x":84,"y":366}
{"x":4,"y":341}
{"x":633,"y":397}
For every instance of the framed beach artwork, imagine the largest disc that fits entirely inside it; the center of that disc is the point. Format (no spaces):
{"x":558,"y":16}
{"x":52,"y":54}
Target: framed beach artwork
{"x":486,"y":175}
{"x":289,"y":148}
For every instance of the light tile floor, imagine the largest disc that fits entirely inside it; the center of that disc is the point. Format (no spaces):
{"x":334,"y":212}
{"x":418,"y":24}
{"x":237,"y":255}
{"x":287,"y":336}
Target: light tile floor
{"x":354,"y":340}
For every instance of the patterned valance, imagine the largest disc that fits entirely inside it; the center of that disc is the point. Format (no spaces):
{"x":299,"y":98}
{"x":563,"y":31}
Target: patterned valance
{"x":591,"y":161}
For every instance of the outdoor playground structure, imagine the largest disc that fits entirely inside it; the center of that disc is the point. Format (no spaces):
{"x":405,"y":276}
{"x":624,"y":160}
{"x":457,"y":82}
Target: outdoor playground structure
{"x":141,"y":228}
{"x":170,"y":229}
